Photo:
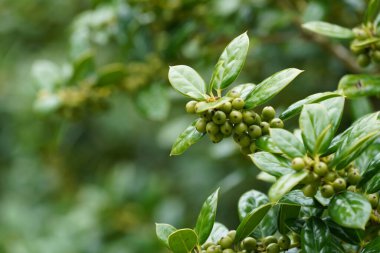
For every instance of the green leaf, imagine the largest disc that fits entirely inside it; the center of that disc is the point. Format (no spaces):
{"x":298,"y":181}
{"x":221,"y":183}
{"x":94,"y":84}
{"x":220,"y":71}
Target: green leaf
{"x":315,"y":126}
{"x":206,"y":217}
{"x":286,"y":212}
{"x":251,"y":200}
{"x":350,"y":210}
{"x":187,"y":138}
{"x":230,"y":63}
{"x":296,"y":197}
{"x":183,"y":240}
{"x":46,"y":74}
{"x":251,"y":221}
{"x":330,"y":30}
{"x":266,"y":177}
{"x":348,"y":235}
{"x":372,"y":247}
{"x":270,"y":87}
{"x":354,"y":86}
{"x":212,"y":105}
{"x":372,"y":11}
{"x":334,"y":108}
{"x":296,"y":108}
{"x":218,"y":231}
{"x":163,"y":231}
{"x":153,"y":102}
{"x":47,"y":102}
{"x":370,"y":171}
{"x":242,"y":89}
{"x":266,"y":143}
{"x":360,"y":107}
{"x":274,"y":165}
{"x":284,"y":184}
{"x":287,"y":142}
{"x":188,"y":82}
{"x":315,"y":236}
{"x":111,"y":74}
{"x":83,"y":66}
{"x":362,"y":44}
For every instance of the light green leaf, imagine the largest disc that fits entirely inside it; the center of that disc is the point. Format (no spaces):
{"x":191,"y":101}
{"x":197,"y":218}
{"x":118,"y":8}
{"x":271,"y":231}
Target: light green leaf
{"x":296,"y":197}
{"x":274,"y":165}
{"x":187,"y":138}
{"x":329,"y":30}
{"x":287,"y":142}
{"x":187,"y":81}
{"x":163,"y":231}
{"x":334,"y":108}
{"x":354,"y":86}
{"x":230,"y":63}
{"x":266,"y":143}
{"x":218,"y":231}
{"x":183,"y":240}
{"x":285,"y":184}
{"x":361,"y":44}
{"x":243,"y":90}
{"x":46,"y":74}
{"x":270,"y":87}
{"x":212,"y":105}
{"x":153,"y":102}
{"x":266,"y":177}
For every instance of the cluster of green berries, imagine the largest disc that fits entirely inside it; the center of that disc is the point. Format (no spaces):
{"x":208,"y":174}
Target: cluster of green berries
{"x":321,"y":177}
{"x":232,"y":119}
{"x":364,"y":52}
{"x":269,"y":244}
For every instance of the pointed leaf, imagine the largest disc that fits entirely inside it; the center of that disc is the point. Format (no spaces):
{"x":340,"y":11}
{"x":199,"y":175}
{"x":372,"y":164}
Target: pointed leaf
{"x":287,"y":142}
{"x":218,"y":231}
{"x":285,"y":184}
{"x":187,"y":81}
{"x":372,"y":11}
{"x":315,"y":236}
{"x":274,"y":165}
{"x":354,"y":86}
{"x":270,"y":87}
{"x":330,"y":30}
{"x":187,"y":138}
{"x":334,"y":108}
{"x":183,"y":240}
{"x":163,"y":231}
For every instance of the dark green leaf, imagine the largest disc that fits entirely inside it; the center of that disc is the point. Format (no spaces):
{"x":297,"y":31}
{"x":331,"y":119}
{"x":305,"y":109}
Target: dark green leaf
{"x":348,"y":235}
{"x":266,"y":143}
{"x":272,"y":164}
{"x":270,"y":87}
{"x":111,"y":74}
{"x":183,"y":240}
{"x":83,"y":66}
{"x":287,"y":142}
{"x":251,"y":221}
{"x":187,"y":81}
{"x":153,"y":102}
{"x":243,"y":90}
{"x":284,"y":184}
{"x":359,"y":85}
{"x":206,"y":217}
{"x":286,"y":212}
{"x":218,"y":231}
{"x":329,"y":30}
{"x":370,"y":171}
{"x":230,"y":62}
{"x":372,"y":11}
{"x":296,"y":108}
{"x":163,"y":231}
{"x":350,"y":210}
{"x":296,"y":197}
{"x":186,"y":139}
{"x":212,"y":105}
{"x":372,"y":247}
{"x":315,"y":236}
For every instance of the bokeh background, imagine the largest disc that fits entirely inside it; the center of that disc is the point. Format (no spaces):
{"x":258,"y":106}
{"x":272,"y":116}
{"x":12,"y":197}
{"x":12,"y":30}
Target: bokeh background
{"x":89,"y":177}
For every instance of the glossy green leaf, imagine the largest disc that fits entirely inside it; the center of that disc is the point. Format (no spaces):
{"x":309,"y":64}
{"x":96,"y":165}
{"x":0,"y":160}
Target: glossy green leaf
{"x":111,"y":74}
{"x":316,"y":128}
{"x":270,"y":87}
{"x":372,"y":247}
{"x":163,"y":231}
{"x":350,"y":209}
{"x":370,"y":171}
{"x":251,"y":200}
{"x":315,"y":236}
{"x":188,"y":82}
{"x":243,"y":89}
{"x":272,"y":164}
{"x":187,"y":138}
{"x":266,"y":143}
{"x":230,"y":63}
{"x":251,"y":221}
{"x":360,"y":85}
{"x":266,"y":177}
{"x":206,"y":217}
{"x":334,"y":108}
{"x":348,"y":235}
{"x":183,"y":240}
{"x":372,"y":11}
{"x":287,"y":142}
{"x":296,"y":197}
{"x":286,"y":212}
{"x":212,"y":105}
{"x":153,"y":102}
{"x":296,"y":108}
{"x":285,"y":184}
{"x":372,"y":185}
{"x":218,"y":231}
{"x":330,"y":30}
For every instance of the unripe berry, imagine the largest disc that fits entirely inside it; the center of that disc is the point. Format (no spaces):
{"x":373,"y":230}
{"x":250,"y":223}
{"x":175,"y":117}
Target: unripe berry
{"x":201,"y":125}
{"x":284,"y":242}
{"x":359,"y":33}
{"x":238,"y":103}
{"x":249,"y":243}
{"x":273,"y":248}
{"x":219,"y":117}
{"x":330,"y":176}
{"x":216,"y":138}
{"x":264,"y":127}
{"x":269,"y":239}
{"x":212,"y":128}
{"x":320,"y":169}
{"x":226,"y":128}
{"x":190,"y":106}
{"x":244,"y":141}
{"x":376,"y":56}
{"x":240,"y":128}
{"x":199,"y":105}
{"x":207,"y":114}
{"x":309,"y":190}
{"x":356,"y":50}
{"x":351,"y":188}
{"x":235,"y":116}
{"x":363,"y":60}
{"x":226,"y":107}
{"x":214,"y":249}
{"x":298,"y":163}
{"x":207,"y":245}
{"x":268,"y":113}
{"x":339,"y":184}
{"x":233,"y":93}
{"x":245,"y":150}
{"x":276,"y":123}
{"x":232,"y":234}
{"x":226,"y":242}
{"x":373,"y":199}
{"x":254,"y":131}
{"x":252,"y":147}
{"x":228,"y":251}
{"x":327,"y":191}
{"x":248,"y":117}
{"x":353,"y":177}
{"x":257,"y":118}
{"x":311,"y":178}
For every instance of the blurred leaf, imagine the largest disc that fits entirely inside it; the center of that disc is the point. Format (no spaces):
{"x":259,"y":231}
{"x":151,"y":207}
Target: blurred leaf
{"x":372,"y":247}
{"x":83,"y":66}
{"x":153,"y":102}
{"x":362,"y":44}
{"x":163,"y":231}
{"x":111,"y":74}
{"x":285,"y":184}
{"x":183,"y":240}
{"x":46,"y":74}
{"x":354,"y":86}
{"x":330,"y":30}
{"x":372,"y":11}
{"x":47,"y":103}
{"x":274,"y":165}
{"x":287,"y":142}
{"x":187,"y":138}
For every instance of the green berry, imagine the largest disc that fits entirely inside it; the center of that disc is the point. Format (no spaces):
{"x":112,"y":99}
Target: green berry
{"x":327,"y":191}
{"x":264,"y":127}
{"x":190,"y":106}
{"x":311,"y":178}
{"x":330,"y":176}
{"x":268,"y":113}
{"x":214,"y":249}
{"x":235,"y":116}
{"x":273,"y":248}
{"x":228,"y":251}
{"x":356,"y":50}
{"x":254,"y":131}
{"x":212,"y":128}
{"x":309,"y":190}
{"x":351,"y":188}
{"x":339,"y":184}
{"x":249,"y":243}
{"x":232,"y":234}
{"x":298,"y":163}
{"x":244,"y":141}
{"x":376,"y":56}
{"x":363,"y":60}
{"x":257,"y":118}
{"x":226,"y":107}
{"x":248,"y":117}
{"x":238,"y":103}
{"x":373,"y":200}
{"x":320,"y":169}
{"x":284,"y":242}
{"x":207,"y":245}
{"x":269,"y":239}
{"x":226,"y":128}
{"x":201,"y":125}
{"x":199,"y":105}
{"x":253,"y":147}
{"x":225,"y":242}
{"x":359,"y":33}
{"x":341,"y":173}
{"x":219,"y":117}
{"x":233,"y":93}
{"x":207,"y":114}
{"x":245,"y":150}
{"x":276,"y":123}
{"x":354,"y":177}
{"x":216,"y":138}
{"x":240,"y":128}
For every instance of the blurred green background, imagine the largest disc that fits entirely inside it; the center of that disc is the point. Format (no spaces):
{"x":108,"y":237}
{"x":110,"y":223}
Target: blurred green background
{"x":98,"y":180}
